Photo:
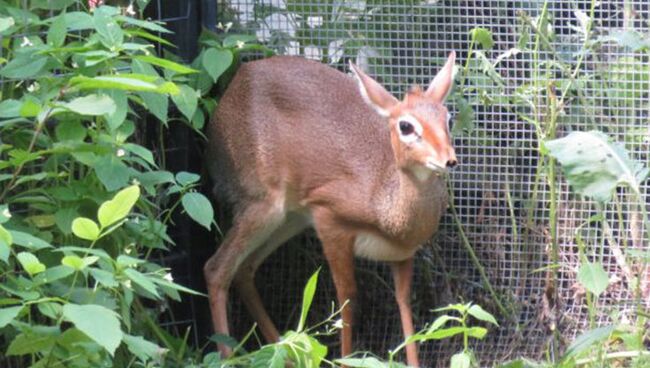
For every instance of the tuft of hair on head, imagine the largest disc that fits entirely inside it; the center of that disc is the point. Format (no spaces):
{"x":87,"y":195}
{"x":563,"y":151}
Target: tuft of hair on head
{"x":416,"y":90}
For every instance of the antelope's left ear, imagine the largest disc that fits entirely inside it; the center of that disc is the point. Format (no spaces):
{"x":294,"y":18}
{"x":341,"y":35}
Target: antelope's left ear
{"x":373,"y":93}
{"x":441,"y":84}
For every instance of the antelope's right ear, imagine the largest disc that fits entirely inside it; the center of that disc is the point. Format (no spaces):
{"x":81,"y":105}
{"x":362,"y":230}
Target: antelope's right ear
{"x":373,"y":93}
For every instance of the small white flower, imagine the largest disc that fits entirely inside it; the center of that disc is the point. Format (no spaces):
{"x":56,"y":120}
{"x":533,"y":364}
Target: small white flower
{"x":74,"y":64}
{"x":227,"y":27}
{"x":6,"y":213}
{"x":121,"y":152}
{"x":338,"y":324}
{"x":335,"y":51}
{"x":26,"y":42}
{"x":127,"y":283}
{"x":314,"y":22}
{"x":220,"y":26}
{"x":33,"y":87}
{"x":135,"y":182}
{"x":239,"y":44}
{"x":130,"y":11}
{"x":168,"y":277}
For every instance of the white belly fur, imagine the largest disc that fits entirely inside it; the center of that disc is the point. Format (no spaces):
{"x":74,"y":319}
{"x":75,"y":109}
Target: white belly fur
{"x":377,"y":248}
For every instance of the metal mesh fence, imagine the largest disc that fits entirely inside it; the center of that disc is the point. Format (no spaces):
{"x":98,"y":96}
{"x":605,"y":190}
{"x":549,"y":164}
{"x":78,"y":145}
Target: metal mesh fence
{"x":501,"y":199}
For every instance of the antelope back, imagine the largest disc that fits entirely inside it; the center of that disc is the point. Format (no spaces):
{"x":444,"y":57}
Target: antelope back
{"x":290,"y":125}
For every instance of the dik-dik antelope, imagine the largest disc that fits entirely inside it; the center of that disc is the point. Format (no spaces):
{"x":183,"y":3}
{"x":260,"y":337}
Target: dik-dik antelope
{"x":294,"y":144}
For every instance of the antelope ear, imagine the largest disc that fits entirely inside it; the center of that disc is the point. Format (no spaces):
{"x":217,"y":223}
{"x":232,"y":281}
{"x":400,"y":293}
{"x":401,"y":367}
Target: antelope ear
{"x":441,"y":84}
{"x":373,"y":93}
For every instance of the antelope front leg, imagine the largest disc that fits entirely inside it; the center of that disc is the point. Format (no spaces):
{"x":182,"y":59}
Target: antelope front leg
{"x":402,"y":277}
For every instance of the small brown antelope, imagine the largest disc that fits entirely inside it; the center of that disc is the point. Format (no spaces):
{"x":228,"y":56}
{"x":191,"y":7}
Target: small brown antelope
{"x":294,"y":144}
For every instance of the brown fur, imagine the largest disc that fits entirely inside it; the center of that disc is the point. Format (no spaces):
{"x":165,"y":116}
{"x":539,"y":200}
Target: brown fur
{"x":294,"y":139}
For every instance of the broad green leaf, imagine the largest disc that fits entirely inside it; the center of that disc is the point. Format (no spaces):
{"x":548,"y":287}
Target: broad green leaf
{"x":5,"y":236}
{"x":440,"y":321}
{"x":77,"y":21}
{"x":593,"y":277}
{"x":477,"y":332}
{"x":64,"y":217}
{"x":588,"y":339}
{"x":99,"y":323}
{"x":85,"y":228}
{"x":5,"y":214}
{"x":29,"y":241}
{"x":118,"y":116}
{"x":167,"y":64}
{"x":445,"y":333}
{"x":30,"y":263}
{"x":24,"y":67}
{"x":28,"y":343}
{"x":187,"y":100}
{"x":112,"y":172}
{"x":57,"y":32}
{"x":464,"y":121}
{"x":216,"y":62}
{"x":30,"y":108}
{"x":50,"y":310}
{"x":104,"y":277}
{"x":6,"y":23}
{"x":482,"y":36}
{"x":5,"y":251}
{"x":117,"y":208}
{"x":369,"y":362}
{"x":70,"y":130}
{"x":91,"y":105}
{"x":631,"y":39}
{"x":8,"y":314}
{"x":199,"y":208}
{"x":142,"y":348}
{"x":141,"y":152}
{"x":307,"y":298}
{"x":185,"y":178}
{"x":142,"y":280}
{"x":127,"y":82}
{"x":481,"y":314}
{"x":461,"y":360}
{"x":460,"y":308}
{"x":594,"y":166}
{"x":270,"y":356}
{"x":235,"y":39}
{"x":77,"y":263}
{"x":53,"y":274}
{"x":110,"y":33}
{"x":148,"y":25}
{"x":10,"y":108}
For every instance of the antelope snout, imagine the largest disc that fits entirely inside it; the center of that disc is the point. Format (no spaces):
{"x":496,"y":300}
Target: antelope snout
{"x":451,"y":163}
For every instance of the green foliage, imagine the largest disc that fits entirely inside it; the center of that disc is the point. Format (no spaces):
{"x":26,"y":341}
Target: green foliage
{"x":595,"y":166}
{"x":82,"y":204}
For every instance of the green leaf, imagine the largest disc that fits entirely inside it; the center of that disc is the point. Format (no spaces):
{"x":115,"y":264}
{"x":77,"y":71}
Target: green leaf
{"x":307,"y":298}
{"x":24,"y":67}
{"x":85,"y":228}
{"x":104,"y":277}
{"x":235,"y":39}
{"x":57,"y":32}
{"x":30,"y":108}
{"x":464,"y":120}
{"x":29,"y":241}
{"x":118,"y":116}
{"x":142,"y":348}
{"x":112,"y":172}
{"x":91,"y":105}
{"x":368,"y":362}
{"x":270,"y":356}
{"x":631,"y":39}
{"x":482,"y":36}
{"x":77,"y":263}
{"x":29,"y":343}
{"x":117,"y":208}
{"x":8,"y":314}
{"x":70,"y":130}
{"x":78,"y":21}
{"x":6,"y":239}
{"x":141,"y":280}
{"x":440,"y":321}
{"x":445,"y":333}
{"x":216,"y":62}
{"x":167,"y":64}
{"x":126,"y":82}
{"x":477,"y":332}
{"x":594,"y":166}
{"x":185,"y":178}
{"x":110,"y":33}
{"x":481,"y":314}
{"x":99,"y":323}
{"x":30,"y":263}
{"x":199,"y":208}
{"x":6,"y":23}
{"x":588,"y":339}
{"x":593,"y":277}
{"x":187,"y":101}
{"x":10,"y":108}
{"x":5,"y":214}
{"x":148,"y":25}
{"x":461,"y":360}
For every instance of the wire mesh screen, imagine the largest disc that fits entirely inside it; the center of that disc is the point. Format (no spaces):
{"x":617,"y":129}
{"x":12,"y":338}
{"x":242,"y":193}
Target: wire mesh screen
{"x":501,"y":198}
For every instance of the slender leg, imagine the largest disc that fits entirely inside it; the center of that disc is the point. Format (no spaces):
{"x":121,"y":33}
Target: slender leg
{"x":402,"y":277}
{"x":249,"y":231}
{"x":245,"y":277}
{"x":338,"y":247}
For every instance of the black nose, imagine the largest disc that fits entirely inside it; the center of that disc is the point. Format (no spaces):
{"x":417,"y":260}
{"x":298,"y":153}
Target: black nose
{"x":452,"y":163}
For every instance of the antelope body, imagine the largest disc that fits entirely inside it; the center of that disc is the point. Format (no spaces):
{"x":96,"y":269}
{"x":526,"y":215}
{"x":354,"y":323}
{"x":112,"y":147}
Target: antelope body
{"x":295,"y":144}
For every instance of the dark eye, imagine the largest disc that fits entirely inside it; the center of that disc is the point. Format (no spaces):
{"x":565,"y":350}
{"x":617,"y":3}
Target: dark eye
{"x":451,"y":120}
{"x":406,"y":128}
